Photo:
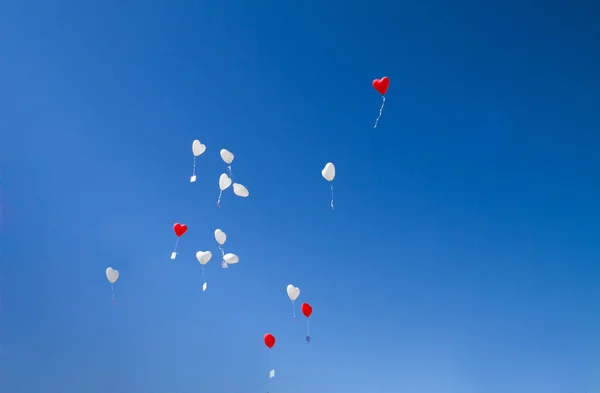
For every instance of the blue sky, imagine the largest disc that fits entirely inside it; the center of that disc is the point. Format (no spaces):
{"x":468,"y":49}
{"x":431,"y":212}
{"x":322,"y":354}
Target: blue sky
{"x":462,"y":255}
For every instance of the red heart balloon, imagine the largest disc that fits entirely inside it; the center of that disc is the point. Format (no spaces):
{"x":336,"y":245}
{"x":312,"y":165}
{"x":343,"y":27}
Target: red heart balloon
{"x":179,"y":229}
{"x":306,"y":309}
{"x":381,"y":85}
{"x":269,"y":340}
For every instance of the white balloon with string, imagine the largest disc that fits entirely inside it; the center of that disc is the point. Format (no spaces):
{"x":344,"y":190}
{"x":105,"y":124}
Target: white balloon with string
{"x":112,"y":275}
{"x":293,"y":293}
{"x":197,"y":149}
{"x":203,"y":257}
{"x":329,"y":174}
{"x":221,"y":238}
{"x":224,"y":183}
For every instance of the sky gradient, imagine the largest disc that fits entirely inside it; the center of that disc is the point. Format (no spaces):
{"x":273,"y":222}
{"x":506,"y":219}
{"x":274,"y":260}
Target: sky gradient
{"x":462,"y":254}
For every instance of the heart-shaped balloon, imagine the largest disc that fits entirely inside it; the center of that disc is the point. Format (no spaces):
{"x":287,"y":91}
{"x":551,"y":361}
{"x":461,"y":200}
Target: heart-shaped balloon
{"x":293,"y":292}
{"x":328,"y":172}
{"x":198,"y":148}
{"x":220,"y":236}
{"x":226,"y":156}
{"x":203,"y":257}
{"x":269,"y":340}
{"x":224,"y":182}
{"x":231,"y":258}
{"x":112,"y":275}
{"x":179,"y":229}
{"x":306,"y":309}
{"x":240,"y":190}
{"x":381,"y":85}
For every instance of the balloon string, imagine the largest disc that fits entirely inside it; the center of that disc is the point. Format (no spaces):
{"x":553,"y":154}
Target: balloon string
{"x":203,"y":274}
{"x":331,"y":195}
{"x":294,"y":310}
{"x":380,"y":110}
{"x":176,"y":243}
{"x":219,"y":200}
{"x":229,"y":170}
{"x":194,"y":169}
{"x":112,"y":291}
{"x":308,"y":327}
{"x":223,"y":263}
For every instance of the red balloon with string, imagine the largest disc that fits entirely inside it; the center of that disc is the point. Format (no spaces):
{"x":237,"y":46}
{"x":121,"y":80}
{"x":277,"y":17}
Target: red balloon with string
{"x":179,"y":230}
{"x":269,"y":340}
{"x":381,"y":85}
{"x":307,"y":311}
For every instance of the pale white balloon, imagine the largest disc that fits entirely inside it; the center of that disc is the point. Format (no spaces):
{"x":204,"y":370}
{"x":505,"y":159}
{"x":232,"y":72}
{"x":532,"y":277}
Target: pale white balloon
{"x":240,"y":190}
{"x":220,"y":236}
{"x":293,"y":292}
{"x":203,"y":257}
{"x":198,"y":148}
{"x":231,"y":258}
{"x":112,"y":275}
{"x":227,"y":156}
{"x":328,"y":172}
{"x":224,"y":182}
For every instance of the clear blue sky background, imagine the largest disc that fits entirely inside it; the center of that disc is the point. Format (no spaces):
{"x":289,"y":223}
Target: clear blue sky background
{"x":462,"y":256}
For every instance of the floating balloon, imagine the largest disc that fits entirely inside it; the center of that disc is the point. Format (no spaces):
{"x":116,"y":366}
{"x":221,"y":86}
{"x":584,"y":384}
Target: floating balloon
{"x":269,"y":342}
{"x":293,"y":293}
{"x":240,"y":190}
{"x":224,"y":183}
{"x":307,"y":311}
{"x":197,"y":149}
{"x":203,"y":257}
{"x":231,"y":259}
{"x":381,"y":85}
{"x":221,"y":237}
{"x":179,"y":229}
{"x":112,"y":275}
{"x":227,"y":156}
{"x":329,"y":174}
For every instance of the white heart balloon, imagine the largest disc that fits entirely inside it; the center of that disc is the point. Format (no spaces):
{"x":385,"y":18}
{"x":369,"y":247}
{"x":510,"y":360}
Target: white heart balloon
{"x":240,"y":190}
{"x":231,"y":258}
{"x":328,"y":172}
{"x":293,"y":292}
{"x":227,"y":156}
{"x":198,"y":148}
{"x":112,"y":275}
{"x":220,"y":236}
{"x":224,"y":182}
{"x":203,"y":257}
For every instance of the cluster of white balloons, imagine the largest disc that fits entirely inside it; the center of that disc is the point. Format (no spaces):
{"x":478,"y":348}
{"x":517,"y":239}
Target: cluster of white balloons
{"x":228,"y":259}
{"x":225,"y":181}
